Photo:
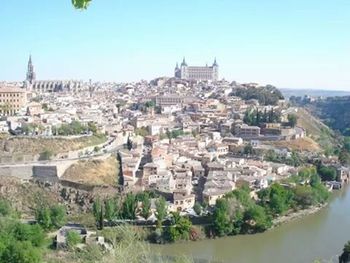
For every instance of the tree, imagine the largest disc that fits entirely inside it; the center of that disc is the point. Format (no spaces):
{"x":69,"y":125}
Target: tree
{"x":110,"y":209}
{"x":161,"y":211}
{"x":256,"y":220}
{"x":180,"y":227}
{"x":221,"y":220}
{"x":58,"y":216}
{"x":97,"y":210}
{"x":327,"y":173}
{"x":345,"y":256}
{"x":129,"y":207}
{"x":145,"y":200}
{"x":292,"y":120}
{"x":43,"y":217}
{"x":197,"y":208}
{"x":129,"y":144}
{"x":5,"y":207}
{"x":248,"y":149}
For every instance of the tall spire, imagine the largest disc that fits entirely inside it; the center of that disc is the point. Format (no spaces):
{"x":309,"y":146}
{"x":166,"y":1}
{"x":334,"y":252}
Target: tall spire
{"x":30,"y":71}
{"x":184,"y":62}
{"x":215,"y":64}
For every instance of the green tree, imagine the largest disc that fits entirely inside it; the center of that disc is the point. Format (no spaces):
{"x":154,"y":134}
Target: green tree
{"x":161,"y":211}
{"x":292,"y":120}
{"x":43,"y":217}
{"x":5,"y":207}
{"x":327,"y":173}
{"x":197,"y":208}
{"x":256,"y":220}
{"x":110,"y":209}
{"x":222,"y":223}
{"x":129,"y":207}
{"x":58,"y":216}
{"x":180,"y":228}
{"x":97,"y":210}
{"x":248,"y":149}
{"x":145,"y":200}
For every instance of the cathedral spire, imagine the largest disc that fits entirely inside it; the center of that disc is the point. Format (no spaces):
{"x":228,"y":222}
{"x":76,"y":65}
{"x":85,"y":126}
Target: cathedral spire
{"x":30,"y":71}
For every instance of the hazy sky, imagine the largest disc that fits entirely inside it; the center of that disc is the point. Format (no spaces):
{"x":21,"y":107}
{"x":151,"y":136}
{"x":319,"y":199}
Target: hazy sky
{"x":288,"y":43}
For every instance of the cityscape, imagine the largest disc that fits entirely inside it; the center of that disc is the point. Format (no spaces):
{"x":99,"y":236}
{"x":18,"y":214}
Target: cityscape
{"x":192,"y":166}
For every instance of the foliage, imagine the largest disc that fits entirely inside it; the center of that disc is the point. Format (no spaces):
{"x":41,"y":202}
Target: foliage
{"x":145,"y":200}
{"x":73,"y":128}
{"x":111,"y":210}
{"x":73,"y":239}
{"x":256,"y":117}
{"x":5,"y":207}
{"x":248,"y":149}
{"x":129,"y":207}
{"x":222,"y":223}
{"x":20,"y":243}
{"x":327,"y":173}
{"x":46,"y":155}
{"x":292,"y":120}
{"x":256,"y":220}
{"x":276,"y":198}
{"x":197,"y":208}
{"x":161,"y":210}
{"x":142,"y":131}
{"x":179,"y":229}
{"x":267,"y":95}
{"x":52,"y":217}
{"x":345,"y":256}
{"x":81,"y":4}
{"x":97,"y":210}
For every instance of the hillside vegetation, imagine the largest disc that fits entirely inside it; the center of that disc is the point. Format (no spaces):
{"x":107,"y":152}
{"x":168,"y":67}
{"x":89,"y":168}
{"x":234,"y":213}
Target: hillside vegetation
{"x":316,"y":130}
{"x":10,"y":145}
{"x":334,"y":111}
{"x":94,"y":172}
{"x":266,"y":95}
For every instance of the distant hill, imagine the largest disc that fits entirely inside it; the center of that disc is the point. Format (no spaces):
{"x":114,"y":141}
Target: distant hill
{"x":314,"y":93}
{"x":334,"y":111}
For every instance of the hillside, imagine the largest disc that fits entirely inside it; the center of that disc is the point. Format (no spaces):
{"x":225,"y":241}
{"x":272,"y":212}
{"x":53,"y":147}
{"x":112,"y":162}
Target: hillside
{"x":93,"y":172}
{"x":12,"y":146}
{"x":316,"y":130}
{"x":334,"y":112}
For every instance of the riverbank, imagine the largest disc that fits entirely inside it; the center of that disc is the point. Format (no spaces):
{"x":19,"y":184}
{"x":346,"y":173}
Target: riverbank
{"x":302,"y":239}
{"x":297,"y":215}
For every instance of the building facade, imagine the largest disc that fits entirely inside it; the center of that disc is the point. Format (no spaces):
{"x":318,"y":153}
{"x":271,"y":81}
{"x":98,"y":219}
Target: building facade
{"x":197,"y":73}
{"x":12,"y":100}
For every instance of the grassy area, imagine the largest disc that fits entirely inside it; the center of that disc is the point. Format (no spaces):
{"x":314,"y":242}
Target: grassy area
{"x":94,"y":172}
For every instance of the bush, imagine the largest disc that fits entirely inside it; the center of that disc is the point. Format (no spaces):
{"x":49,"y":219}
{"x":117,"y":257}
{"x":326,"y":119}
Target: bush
{"x":73,"y":239}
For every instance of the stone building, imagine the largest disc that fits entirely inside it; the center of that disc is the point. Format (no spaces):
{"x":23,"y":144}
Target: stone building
{"x":12,"y":100}
{"x":197,"y":73}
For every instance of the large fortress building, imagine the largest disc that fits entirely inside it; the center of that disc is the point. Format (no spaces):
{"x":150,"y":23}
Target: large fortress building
{"x":197,"y":73}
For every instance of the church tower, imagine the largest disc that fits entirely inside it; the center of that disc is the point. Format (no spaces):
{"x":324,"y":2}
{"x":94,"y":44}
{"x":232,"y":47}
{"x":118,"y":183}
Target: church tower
{"x":30,"y":71}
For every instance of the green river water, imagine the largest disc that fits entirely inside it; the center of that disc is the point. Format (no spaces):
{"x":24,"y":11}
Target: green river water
{"x":318,"y":236}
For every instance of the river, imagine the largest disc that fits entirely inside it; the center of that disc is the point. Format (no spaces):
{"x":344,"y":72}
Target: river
{"x":318,"y":236}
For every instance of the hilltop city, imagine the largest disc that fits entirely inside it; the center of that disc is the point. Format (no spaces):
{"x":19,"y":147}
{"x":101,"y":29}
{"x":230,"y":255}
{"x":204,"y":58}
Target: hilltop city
{"x":191,"y":140}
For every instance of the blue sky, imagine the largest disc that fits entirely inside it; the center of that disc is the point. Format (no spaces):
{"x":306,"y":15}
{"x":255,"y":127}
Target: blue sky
{"x":289,"y":43}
